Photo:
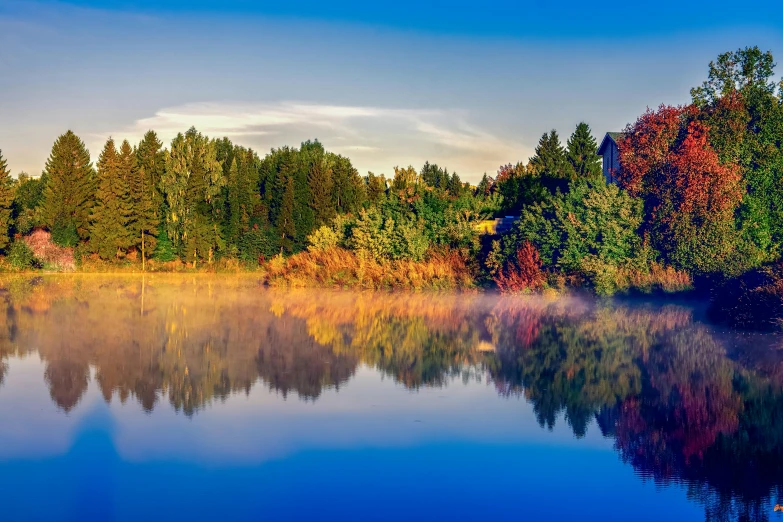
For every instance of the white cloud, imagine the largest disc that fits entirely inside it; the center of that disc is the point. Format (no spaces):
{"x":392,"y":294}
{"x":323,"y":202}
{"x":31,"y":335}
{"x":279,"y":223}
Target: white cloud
{"x":375,"y":138}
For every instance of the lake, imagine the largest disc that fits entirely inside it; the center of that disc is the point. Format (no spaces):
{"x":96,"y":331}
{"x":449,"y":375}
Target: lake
{"x":165,"y":397}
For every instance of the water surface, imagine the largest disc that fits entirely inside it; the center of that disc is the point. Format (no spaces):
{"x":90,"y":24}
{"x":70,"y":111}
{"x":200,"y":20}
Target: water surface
{"x":213,"y":398}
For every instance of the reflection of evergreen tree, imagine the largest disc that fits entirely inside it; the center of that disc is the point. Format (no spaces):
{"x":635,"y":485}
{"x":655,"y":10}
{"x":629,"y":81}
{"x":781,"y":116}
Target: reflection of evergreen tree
{"x":67,"y":380}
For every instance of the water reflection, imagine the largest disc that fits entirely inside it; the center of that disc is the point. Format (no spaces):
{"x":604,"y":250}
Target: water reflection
{"x":683,"y":402}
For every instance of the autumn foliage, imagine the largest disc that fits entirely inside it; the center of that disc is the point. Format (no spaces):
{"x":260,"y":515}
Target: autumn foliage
{"x":523,"y":273}
{"x":690,"y":195}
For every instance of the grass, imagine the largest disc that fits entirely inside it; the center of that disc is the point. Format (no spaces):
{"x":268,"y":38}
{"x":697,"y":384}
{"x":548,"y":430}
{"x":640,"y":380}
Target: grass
{"x":337,"y":267}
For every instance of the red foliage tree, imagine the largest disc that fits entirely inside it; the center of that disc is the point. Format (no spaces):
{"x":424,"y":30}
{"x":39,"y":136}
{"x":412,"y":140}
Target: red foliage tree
{"x":522,"y":273}
{"x":646,"y":145}
{"x":690,"y":195}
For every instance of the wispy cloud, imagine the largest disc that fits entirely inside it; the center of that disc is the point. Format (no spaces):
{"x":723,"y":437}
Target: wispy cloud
{"x":376,"y":138}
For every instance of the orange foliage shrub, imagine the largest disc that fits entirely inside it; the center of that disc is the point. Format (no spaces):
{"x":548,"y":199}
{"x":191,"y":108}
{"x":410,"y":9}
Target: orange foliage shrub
{"x":522,"y":274}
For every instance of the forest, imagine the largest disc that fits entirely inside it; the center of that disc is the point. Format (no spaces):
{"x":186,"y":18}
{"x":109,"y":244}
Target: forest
{"x":698,"y":203}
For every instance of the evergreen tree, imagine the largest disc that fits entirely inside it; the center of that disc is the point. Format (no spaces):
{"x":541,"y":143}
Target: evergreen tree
{"x":244,"y":215}
{"x":581,"y":152}
{"x":151,"y":158}
{"x":6,"y":202}
{"x":146,"y":206}
{"x":111,"y":218}
{"x":482,"y":189}
{"x":454,"y":185}
{"x":376,"y":188}
{"x":286,"y":227}
{"x":70,"y":190}
{"x":348,"y":192}
{"x":550,"y":157}
{"x":320,"y":180}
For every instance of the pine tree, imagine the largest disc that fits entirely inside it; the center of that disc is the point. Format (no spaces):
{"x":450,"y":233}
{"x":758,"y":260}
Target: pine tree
{"x":376,"y":188}
{"x":454,"y":185}
{"x":348,"y":192}
{"x":482,"y":189}
{"x":6,"y":202}
{"x":70,"y":190}
{"x":149,"y":202}
{"x":550,"y":158}
{"x":320,"y":181}
{"x":111,"y":218}
{"x":581,"y":153}
{"x":286,"y":227}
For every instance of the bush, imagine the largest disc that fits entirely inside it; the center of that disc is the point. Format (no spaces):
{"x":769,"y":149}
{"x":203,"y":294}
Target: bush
{"x":323,"y":238}
{"x":64,"y":234}
{"x":523,"y":273}
{"x":20,"y":255}
{"x":164,"y":249}
{"x":591,"y":219}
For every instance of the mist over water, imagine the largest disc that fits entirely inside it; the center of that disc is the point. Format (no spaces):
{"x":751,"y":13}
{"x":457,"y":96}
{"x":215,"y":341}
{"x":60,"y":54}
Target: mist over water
{"x":212,"y":397}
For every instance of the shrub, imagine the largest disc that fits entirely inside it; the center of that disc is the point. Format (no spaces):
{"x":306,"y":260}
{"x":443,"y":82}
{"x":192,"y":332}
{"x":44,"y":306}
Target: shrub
{"x":164,"y":249}
{"x":591,"y":219}
{"x":523,"y":273}
{"x":48,"y":252}
{"x":64,"y":234}
{"x":20,"y":255}
{"x":323,"y":238}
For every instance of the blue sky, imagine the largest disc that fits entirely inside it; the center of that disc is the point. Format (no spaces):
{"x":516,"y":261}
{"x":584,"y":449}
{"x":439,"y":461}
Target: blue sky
{"x":468,"y":85}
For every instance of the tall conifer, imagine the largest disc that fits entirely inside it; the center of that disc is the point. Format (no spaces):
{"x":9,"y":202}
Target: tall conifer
{"x":111,"y":218}
{"x":581,"y":153}
{"x":70,"y":190}
{"x":6,"y":202}
{"x":286,"y":226}
{"x":550,"y":158}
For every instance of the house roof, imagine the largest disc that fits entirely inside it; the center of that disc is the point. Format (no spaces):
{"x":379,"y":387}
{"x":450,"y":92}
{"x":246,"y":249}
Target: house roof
{"x":610,"y":136}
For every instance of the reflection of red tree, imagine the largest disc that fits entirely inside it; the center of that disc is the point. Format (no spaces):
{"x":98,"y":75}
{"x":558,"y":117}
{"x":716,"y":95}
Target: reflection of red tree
{"x":522,"y":317}
{"x":676,"y":419}
{"x":702,"y":414}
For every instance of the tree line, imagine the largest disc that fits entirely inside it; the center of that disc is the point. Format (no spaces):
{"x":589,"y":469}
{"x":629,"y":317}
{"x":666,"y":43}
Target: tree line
{"x":699,"y":197}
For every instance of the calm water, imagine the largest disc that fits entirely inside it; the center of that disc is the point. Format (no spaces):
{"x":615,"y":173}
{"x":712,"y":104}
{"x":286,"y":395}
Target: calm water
{"x":182,"y":398}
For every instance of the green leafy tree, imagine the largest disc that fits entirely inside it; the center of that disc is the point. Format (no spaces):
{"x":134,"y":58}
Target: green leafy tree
{"x":28,"y":195}
{"x":590,"y":227}
{"x":193,"y":180}
{"x":581,"y":153}
{"x":741,"y":105}
{"x":70,"y":190}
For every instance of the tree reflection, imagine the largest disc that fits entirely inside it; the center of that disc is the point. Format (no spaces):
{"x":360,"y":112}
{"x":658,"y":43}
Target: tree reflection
{"x":679,"y":406}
